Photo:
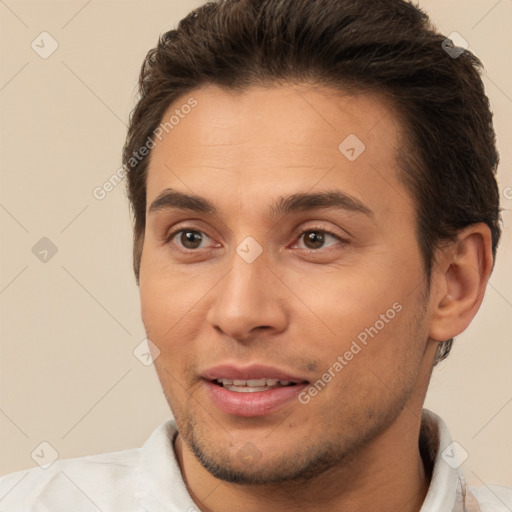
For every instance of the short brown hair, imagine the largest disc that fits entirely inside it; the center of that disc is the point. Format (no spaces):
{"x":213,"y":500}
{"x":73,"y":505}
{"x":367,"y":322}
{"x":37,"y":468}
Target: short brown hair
{"x":387,"y":46}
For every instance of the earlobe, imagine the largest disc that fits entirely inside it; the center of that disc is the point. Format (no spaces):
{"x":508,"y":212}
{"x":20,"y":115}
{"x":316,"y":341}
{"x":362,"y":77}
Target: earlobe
{"x":462,"y":271}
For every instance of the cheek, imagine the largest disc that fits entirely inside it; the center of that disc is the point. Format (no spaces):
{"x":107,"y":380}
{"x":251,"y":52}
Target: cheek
{"x":370,"y":319}
{"x":350,"y":300}
{"x":167,"y":295}
{"x":155,"y":314}
{"x":370,"y":370}
{"x":173,"y":316}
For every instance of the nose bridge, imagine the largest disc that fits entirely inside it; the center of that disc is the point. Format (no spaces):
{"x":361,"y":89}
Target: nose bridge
{"x":239,"y":284}
{"x":247,"y":296}
{"x":243,"y":287}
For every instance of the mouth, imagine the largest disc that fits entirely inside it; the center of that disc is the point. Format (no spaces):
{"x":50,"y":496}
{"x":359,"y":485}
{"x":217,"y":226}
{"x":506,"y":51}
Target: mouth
{"x":252,"y":385}
{"x":251,"y":391}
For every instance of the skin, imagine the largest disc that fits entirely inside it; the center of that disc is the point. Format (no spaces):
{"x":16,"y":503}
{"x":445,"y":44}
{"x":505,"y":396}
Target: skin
{"x":354,"y":446}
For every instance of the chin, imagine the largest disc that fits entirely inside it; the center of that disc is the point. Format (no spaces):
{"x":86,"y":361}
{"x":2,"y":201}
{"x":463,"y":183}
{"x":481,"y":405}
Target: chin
{"x":249,"y":466}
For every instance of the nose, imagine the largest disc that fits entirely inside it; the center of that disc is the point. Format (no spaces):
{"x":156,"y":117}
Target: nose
{"x":249,"y":299}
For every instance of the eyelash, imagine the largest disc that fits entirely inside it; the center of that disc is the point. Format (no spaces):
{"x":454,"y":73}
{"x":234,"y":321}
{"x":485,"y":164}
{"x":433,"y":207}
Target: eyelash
{"x":316,"y":229}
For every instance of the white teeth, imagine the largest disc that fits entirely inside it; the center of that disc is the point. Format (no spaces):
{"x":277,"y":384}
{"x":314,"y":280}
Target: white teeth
{"x":246,"y":389}
{"x":252,"y":385}
{"x":257,"y":383}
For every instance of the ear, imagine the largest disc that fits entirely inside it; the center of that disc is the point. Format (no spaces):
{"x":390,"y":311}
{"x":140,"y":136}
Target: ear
{"x":459,"y":280}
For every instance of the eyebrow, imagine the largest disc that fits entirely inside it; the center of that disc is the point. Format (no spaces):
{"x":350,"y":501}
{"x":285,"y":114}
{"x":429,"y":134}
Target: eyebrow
{"x":173,"y":199}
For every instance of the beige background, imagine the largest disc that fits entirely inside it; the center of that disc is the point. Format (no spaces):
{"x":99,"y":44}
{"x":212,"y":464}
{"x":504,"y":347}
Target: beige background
{"x":69,"y":326}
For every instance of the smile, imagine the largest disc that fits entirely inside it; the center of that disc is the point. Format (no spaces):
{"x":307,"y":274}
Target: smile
{"x":252,"y":385}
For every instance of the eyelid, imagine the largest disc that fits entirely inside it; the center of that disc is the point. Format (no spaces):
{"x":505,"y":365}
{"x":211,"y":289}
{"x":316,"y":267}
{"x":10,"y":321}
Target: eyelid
{"x":184,"y":225}
{"x":343,"y":235}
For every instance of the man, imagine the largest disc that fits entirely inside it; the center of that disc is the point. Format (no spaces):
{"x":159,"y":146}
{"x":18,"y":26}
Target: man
{"x":316,"y":218}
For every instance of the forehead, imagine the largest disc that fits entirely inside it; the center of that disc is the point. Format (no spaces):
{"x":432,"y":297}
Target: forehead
{"x":289,"y":136}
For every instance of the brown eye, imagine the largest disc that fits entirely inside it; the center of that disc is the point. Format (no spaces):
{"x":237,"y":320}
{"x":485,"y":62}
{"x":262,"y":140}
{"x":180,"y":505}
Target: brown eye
{"x":190,"y":239}
{"x":187,"y":238}
{"x":314,"y":239}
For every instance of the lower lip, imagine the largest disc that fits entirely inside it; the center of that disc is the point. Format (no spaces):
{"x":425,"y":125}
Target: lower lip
{"x":258,"y":403}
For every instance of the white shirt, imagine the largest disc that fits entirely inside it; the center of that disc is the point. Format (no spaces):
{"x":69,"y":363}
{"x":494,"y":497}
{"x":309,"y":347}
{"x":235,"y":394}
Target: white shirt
{"x":148,"y":479}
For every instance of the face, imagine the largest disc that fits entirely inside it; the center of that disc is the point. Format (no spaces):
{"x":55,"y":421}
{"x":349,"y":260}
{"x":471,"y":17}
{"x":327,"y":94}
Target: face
{"x":288,"y":301}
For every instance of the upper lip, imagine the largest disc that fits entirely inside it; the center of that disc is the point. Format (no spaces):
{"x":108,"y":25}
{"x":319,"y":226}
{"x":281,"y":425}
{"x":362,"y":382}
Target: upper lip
{"x":253,"y":371}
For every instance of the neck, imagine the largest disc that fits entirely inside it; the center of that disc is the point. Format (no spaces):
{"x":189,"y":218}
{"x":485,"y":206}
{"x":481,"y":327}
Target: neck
{"x":388,"y":474}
